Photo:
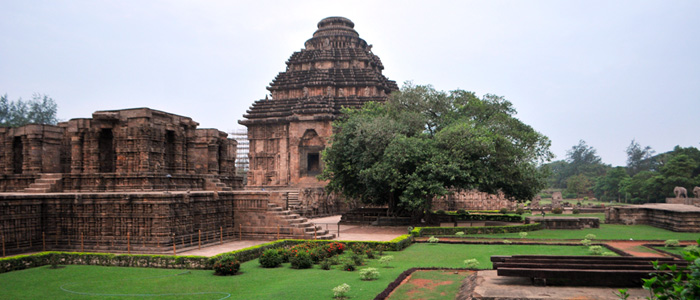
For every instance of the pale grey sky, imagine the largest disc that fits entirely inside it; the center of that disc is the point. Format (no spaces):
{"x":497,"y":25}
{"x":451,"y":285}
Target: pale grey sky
{"x":606,"y":71}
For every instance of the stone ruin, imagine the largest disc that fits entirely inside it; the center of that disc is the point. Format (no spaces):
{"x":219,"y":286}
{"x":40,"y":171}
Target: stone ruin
{"x":473,"y":200}
{"x":677,"y":214}
{"x":288,"y":131}
{"x":556,"y":200}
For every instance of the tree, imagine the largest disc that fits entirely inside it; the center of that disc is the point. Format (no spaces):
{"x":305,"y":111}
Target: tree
{"x":583,"y":159}
{"x":40,"y":110}
{"x":608,"y":187}
{"x":422,"y":142}
{"x":578,"y":184}
{"x":638,"y":158}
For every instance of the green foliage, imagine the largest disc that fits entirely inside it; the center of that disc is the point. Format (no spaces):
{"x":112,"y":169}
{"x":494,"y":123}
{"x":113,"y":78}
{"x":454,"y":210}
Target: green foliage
{"x":622,"y":294}
{"x":590,"y":236}
{"x":507,"y":242}
{"x":325,"y":264}
{"x":471,"y":263}
{"x":385,"y":260}
{"x":226,"y":266}
{"x":675,"y":282}
{"x":270,"y":258}
{"x":433,"y":240}
{"x":40,"y":110}
{"x":608,"y":253}
{"x":639,"y":159}
{"x":586,"y":242}
{"x":369,"y":274}
{"x":672,"y":243}
{"x":576,"y":211}
{"x":519,"y":211}
{"x":503,"y":210}
{"x":595,"y":250}
{"x":357,"y":259}
{"x":431,"y":231}
{"x":608,"y":187}
{"x":522,"y":234}
{"x":459,"y":233}
{"x":348,"y":265}
{"x":340,"y":291}
{"x":557,"y":210}
{"x":301,"y":260}
{"x":411,"y":149}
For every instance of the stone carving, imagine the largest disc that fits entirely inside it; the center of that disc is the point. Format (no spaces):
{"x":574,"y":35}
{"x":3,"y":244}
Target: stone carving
{"x":696,"y":191}
{"x":535,"y":202}
{"x":680,"y":192}
{"x":473,"y":200}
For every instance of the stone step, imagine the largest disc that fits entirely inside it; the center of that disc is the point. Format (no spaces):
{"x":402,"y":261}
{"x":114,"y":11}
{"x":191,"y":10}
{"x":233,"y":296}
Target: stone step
{"x":40,"y":185}
{"x":51,"y":176}
{"x":46,"y":181}
{"x":35,"y":190}
{"x":326,"y":237}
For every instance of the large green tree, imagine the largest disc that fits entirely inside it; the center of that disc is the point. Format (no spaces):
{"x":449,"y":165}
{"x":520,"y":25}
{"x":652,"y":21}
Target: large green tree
{"x":422,"y":143}
{"x":638,"y":158}
{"x":40,"y":110}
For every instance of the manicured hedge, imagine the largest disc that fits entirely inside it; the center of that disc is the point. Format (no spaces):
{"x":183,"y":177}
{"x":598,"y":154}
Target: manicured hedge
{"x":429,"y":231}
{"x":20,"y":262}
{"x":483,"y":217}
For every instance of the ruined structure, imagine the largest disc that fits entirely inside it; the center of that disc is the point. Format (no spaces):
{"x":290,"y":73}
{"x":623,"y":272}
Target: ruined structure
{"x":473,"y":200}
{"x":674,"y":217}
{"x":288,"y":131}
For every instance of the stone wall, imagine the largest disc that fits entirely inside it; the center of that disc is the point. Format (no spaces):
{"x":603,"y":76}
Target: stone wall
{"x":674,"y":217}
{"x":473,"y":200}
{"x":686,"y":201}
{"x":109,"y":221}
{"x":564,"y":222}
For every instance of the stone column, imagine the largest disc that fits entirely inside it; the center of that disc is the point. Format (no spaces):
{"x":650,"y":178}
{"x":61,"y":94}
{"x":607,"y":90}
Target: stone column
{"x":76,"y":155}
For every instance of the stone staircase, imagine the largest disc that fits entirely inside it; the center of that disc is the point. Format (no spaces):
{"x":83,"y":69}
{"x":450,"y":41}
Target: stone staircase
{"x":48,"y":182}
{"x":292,"y":220}
{"x":293,"y":202}
{"x":214,"y":184}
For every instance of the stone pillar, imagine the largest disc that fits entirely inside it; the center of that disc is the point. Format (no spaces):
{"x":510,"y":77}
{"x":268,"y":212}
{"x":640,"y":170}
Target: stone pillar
{"x":76,"y":155}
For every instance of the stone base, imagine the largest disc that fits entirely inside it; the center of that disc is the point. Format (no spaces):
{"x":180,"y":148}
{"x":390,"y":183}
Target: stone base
{"x":564,"y":222}
{"x":674,"y":217}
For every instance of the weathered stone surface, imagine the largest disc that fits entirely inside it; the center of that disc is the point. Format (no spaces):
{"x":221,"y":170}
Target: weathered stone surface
{"x":473,"y":200}
{"x":565,"y":222}
{"x":674,"y":217}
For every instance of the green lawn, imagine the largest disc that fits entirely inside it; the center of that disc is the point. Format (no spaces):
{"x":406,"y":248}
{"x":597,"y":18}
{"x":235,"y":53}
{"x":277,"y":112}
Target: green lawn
{"x":430,"y":284}
{"x":605,"y":232}
{"x":253,"y":282}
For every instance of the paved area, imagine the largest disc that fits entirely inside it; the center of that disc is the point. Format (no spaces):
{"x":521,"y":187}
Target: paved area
{"x":226,"y":247}
{"x":491,"y":286}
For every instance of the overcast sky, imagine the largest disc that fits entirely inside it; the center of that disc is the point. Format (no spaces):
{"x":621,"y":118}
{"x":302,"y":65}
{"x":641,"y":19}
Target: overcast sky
{"x":605,"y":72}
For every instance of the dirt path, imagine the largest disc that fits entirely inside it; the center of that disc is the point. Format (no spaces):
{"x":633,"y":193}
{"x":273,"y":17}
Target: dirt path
{"x":635,"y":248}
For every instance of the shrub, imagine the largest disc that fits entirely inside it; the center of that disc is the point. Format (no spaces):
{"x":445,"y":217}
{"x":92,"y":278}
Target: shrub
{"x":520,"y":211}
{"x":462,"y":212}
{"x":585,"y":198}
{"x":471,"y":263}
{"x":284,"y":254}
{"x":557,"y":211}
{"x":691,"y":248}
{"x":590,"y":236}
{"x":385,"y":260}
{"x":54,"y":260}
{"x":522,"y":234}
{"x":270,"y":259}
{"x":332,"y":248}
{"x":357,"y":259}
{"x":503,"y":211}
{"x":440,"y":212}
{"x":340,"y":291}
{"x":676,"y":282}
{"x":370,"y":254}
{"x":576,"y":211}
{"x":608,"y":253}
{"x":228,"y":265}
{"x":507,"y":242}
{"x":369,"y":274}
{"x":672,"y":243}
{"x":433,"y":240}
{"x":460,"y":233}
{"x":359,"y":248}
{"x":333,"y":260}
{"x":301,"y":260}
{"x":595,"y":250}
{"x":325,"y":264}
{"x":586,"y":242}
{"x":348,"y":266}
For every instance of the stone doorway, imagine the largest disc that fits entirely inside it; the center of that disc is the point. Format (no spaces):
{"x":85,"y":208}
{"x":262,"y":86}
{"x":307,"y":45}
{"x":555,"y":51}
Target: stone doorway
{"x":169,"y":158}
{"x":106,"y":151}
{"x":17,"y":155}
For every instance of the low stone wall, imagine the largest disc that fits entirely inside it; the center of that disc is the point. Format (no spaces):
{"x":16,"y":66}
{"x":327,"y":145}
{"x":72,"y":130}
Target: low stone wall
{"x":564,"y":222}
{"x":473,"y":200}
{"x":674,"y":217}
{"x":686,"y":201}
{"x":17,"y":182}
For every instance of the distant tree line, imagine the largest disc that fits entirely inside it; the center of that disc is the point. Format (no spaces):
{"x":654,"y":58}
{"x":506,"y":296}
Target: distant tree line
{"x":646,"y":178}
{"x":41,"y":109}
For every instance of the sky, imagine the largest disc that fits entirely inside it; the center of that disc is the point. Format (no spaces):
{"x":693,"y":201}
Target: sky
{"x":605,"y":72}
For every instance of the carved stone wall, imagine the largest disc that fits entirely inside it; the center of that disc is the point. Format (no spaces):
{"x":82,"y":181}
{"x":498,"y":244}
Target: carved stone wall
{"x":473,"y":200}
{"x":674,"y":217}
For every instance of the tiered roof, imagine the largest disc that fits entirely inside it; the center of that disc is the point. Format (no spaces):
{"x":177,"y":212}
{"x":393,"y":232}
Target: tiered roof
{"x":333,"y":61}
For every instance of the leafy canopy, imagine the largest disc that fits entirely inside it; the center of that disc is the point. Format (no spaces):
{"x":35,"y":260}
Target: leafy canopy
{"x":422,"y":142}
{"x":40,"y":110}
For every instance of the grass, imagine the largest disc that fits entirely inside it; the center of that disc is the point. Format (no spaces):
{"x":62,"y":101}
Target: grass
{"x":253,"y":282}
{"x":605,"y":232}
{"x":600,"y":216}
{"x":430,"y":284}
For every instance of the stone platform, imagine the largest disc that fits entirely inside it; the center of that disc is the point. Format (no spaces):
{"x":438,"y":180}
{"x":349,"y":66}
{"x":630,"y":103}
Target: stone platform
{"x":674,"y":217}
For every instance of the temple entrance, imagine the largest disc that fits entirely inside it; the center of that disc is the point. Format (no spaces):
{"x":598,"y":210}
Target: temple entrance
{"x":313,"y":166}
{"x":17,"y":155}
{"x":106,"y":151}
{"x":169,"y":158}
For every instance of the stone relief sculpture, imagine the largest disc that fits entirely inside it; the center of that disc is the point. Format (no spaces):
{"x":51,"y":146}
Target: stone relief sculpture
{"x":696,"y":191}
{"x":680,"y":191}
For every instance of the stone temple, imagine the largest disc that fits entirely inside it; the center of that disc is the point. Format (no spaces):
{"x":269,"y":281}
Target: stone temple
{"x":288,"y":131}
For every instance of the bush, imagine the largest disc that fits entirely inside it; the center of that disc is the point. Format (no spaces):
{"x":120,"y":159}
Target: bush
{"x":557,"y":211}
{"x":460,"y":233}
{"x":270,"y":259}
{"x":385,"y":260}
{"x":359,"y":248}
{"x":595,"y":250}
{"x":357,"y":259}
{"x":519,"y":211}
{"x":576,"y":211}
{"x":586,"y":242}
{"x":672,"y":243}
{"x":462,"y":212}
{"x":226,"y":266}
{"x":507,"y":242}
{"x":348,"y":266}
{"x":691,"y":248}
{"x":284,"y":254}
{"x":503,"y":211}
{"x":440,"y":212}
{"x":590,"y":236}
{"x":522,"y":234}
{"x":325,"y":264}
{"x":471,"y":263}
{"x":340,"y":291}
{"x":369,"y":274}
{"x":370,"y":254}
{"x":608,"y":253}
{"x":333,"y":260}
{"x":301,"y":260}
{"x":433,"y":240}
{"x":676,"y":282}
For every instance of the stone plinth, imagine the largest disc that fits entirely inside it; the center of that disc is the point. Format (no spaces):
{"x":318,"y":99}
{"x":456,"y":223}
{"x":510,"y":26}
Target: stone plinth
{"x":674,"y":217}
{"x":685,"y":201}
{"x":564,"y":222}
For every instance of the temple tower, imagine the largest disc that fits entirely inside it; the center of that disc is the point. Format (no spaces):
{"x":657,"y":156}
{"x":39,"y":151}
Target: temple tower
{"x":335,"y":69}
